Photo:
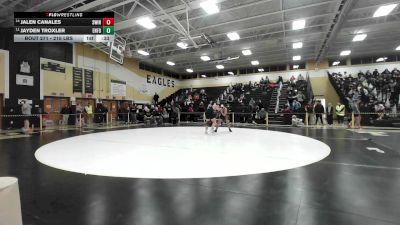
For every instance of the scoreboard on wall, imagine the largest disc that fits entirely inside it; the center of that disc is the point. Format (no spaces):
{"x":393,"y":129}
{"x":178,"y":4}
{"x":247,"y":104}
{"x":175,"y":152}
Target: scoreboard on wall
{"x":64,"y":27}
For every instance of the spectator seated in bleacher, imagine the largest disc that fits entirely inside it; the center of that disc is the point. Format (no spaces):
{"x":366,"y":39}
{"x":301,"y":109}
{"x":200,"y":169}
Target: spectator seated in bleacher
{"x":148,"y":116}
{"x":252,"y":103}
{"x":260,"y":116}
{"x":287,"y":114}
{"x":375,"y":90}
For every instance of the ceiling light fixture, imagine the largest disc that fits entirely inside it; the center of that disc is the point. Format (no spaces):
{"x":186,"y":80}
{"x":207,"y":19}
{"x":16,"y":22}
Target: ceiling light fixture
{"x":255,"y":63}
{"x":298,"y":24}
{"x":384,"y":10}
{"x":210,"y":7}
{"x":345,"y":53}
{"x":231,"y":73}
{"x":260,"y":70}
{"x":335,"y":63}
{"x":382,"y":59}
{"x":220,"y":67}
{"x":359,"y":37}
{"x":203,"y":75}
{"x":296,"y":67}
{"x":398,"y":48}
{"x":205,"y":58}
{"x":142,"y":52}
{"x":146,"y":22}
{"x":233,"y":36}
{"x":296,"y":57}
{"x":297,"y":45}
{"x":189,"y":70}
{"x":247,"y":52}
{"x":182,"y":45}
{"x":170,"y":63}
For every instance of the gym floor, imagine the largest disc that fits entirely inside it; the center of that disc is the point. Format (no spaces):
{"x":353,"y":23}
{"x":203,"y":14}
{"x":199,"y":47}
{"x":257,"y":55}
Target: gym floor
{"x":358,"y":183}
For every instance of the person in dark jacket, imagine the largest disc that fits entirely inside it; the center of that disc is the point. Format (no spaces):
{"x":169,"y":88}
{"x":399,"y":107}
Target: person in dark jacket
{"x":319,"y":110}
{"x":156,"y":97}
{"x":329,"y":113}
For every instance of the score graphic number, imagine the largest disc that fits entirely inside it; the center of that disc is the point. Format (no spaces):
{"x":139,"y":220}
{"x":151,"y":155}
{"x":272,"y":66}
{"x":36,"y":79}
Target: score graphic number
{"x":108,"y":30}
{"x":108,"y":21}
{"x":108,"y":25}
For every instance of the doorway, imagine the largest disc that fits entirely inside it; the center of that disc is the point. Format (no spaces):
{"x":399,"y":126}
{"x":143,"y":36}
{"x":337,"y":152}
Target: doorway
{"x":1,"y":110}
{"x":52,"y":107}
{"x":112,"y":107}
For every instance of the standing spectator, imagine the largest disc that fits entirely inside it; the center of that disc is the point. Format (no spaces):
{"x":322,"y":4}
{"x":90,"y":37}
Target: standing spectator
{"x":132,"y":113}
{"x":65,"y":111}
{"x":280,"y":80}
{"x":329,"y":113}
{"x":319,"y":110}
{"x":148,"y":116}
{"x":157,"y":119}
{"x":340,"y":112}
{"x":89,"y":113}
{"x":26,"y":110}
{"x":156,"y":97}
{"x":165,"y":115}
{"x":309,"y":108}
{"x":79,"y":111}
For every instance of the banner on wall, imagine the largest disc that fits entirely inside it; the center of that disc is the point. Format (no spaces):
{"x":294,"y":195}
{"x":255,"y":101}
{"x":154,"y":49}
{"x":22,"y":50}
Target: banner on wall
{"x":160,"y":81}
{"x":118,"y":88}
{"x":24,"y":80}
{"x":88,"y":81}
{"x":55,"y":67}
{"x":77,"y":79}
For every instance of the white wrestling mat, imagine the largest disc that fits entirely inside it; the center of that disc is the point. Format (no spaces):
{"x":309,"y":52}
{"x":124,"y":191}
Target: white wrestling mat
{"x":181,"y":152}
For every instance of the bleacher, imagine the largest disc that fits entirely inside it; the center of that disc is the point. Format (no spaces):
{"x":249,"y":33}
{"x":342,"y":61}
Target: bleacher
{"x":268,"y":95}
{"x":376,"y":94}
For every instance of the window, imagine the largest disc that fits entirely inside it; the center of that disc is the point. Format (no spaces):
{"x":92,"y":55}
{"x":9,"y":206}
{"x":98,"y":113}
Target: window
{"x":297,"y":66}
{"x":355,"y":61}
{"x":242,"y":71}
{"x":367,"y":60}
{"x":283,"y":67}
{"x":342,"y":62}
{"x":391,"y":58}
{"x":249,"y":70}
{"x":150,"y":68}
{"x":171,"y":74}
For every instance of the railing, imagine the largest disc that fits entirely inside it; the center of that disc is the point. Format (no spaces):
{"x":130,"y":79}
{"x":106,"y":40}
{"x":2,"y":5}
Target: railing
{"x":110,"y":119}
{"x":310,"y":93}
{"x":278,"y":96}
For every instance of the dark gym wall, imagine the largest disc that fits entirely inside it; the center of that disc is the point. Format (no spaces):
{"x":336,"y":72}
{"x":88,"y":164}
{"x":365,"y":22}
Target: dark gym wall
{"x":30,"y":52}
{"x":57,"y":51}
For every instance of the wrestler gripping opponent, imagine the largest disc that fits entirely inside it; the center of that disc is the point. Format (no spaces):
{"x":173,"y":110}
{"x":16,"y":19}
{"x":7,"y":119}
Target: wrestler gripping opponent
{"x":211,"y":120}
{"x":223,"y":117}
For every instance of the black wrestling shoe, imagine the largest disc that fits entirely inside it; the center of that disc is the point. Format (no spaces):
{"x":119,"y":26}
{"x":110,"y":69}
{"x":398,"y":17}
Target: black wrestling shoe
{"x":230,"y":130}
{"x":216,"y":130}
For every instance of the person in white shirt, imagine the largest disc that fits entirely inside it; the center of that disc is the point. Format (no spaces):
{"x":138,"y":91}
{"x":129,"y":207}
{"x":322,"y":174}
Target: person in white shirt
{"x":26,"y":109}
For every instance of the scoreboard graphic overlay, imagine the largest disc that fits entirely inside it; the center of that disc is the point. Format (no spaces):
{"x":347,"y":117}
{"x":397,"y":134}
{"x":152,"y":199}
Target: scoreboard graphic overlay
{"x":64,"y":27}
